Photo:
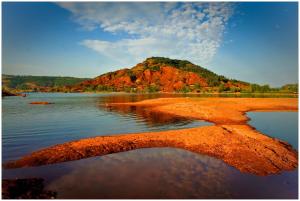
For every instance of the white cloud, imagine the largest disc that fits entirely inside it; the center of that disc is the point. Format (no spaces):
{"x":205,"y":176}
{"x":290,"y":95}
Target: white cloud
{"x":190,"y":31}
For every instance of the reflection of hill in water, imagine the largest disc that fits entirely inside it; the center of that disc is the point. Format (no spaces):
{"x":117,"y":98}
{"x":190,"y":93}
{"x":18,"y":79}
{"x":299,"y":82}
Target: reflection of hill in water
{"x":150,"y":117}
{"x":122,"y":98}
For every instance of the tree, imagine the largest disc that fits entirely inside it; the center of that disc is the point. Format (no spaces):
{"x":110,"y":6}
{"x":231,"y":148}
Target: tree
{"x":221,"y":88}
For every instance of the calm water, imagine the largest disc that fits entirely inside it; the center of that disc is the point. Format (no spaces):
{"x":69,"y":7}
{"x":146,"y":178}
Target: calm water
{"x":29,"y":127}
{"x":144,"y":173}
{"x":281,"y":125}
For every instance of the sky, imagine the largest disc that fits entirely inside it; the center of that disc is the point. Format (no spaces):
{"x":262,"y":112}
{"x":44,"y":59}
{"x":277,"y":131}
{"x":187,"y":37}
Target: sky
{"x":255,"y":42}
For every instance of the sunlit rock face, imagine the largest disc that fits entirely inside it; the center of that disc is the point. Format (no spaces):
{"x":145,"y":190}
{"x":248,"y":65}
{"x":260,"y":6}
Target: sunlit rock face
{"x":159,"y":74}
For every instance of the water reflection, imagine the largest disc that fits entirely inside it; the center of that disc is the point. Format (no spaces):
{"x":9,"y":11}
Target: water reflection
{"x":157,"y":173}
{"x":147,"y":173}
{"x":168,"y":173}
{"x":152,"y":118}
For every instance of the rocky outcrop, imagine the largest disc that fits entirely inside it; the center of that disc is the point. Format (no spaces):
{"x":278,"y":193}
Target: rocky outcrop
{"x":159,"y":74}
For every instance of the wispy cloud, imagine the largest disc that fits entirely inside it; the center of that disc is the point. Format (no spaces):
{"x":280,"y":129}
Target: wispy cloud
{"x":190,"y":31}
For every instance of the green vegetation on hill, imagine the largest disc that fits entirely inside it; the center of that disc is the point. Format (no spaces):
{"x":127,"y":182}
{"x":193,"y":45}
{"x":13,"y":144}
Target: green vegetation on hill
{"x":28,"y":82}
{"x":185,"y":66}
{"x":290,"y":88}
{"x":213,"y":79}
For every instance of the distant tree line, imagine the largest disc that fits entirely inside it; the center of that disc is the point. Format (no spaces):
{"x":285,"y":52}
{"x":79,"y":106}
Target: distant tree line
{"x":24,"y":82}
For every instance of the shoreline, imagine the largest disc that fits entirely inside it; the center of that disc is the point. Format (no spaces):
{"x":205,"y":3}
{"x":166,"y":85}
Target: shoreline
{"x":295,"y":95}
{"x":231,"y":139}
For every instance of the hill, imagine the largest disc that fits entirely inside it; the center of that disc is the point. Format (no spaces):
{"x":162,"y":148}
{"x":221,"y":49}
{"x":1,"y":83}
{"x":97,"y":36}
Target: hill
{"x":155,"y":74}
{"x":38,"y":83}
{"x":159,"y":74}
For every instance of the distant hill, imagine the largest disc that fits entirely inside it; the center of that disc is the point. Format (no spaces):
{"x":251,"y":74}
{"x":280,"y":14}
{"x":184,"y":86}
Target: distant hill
{"x":155,"y":74}
{"x":38,"y":83}
{"x":159,"y":74}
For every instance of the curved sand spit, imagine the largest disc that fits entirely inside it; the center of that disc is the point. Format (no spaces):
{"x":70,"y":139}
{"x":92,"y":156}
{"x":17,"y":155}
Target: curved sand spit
{"x":230,"y":139}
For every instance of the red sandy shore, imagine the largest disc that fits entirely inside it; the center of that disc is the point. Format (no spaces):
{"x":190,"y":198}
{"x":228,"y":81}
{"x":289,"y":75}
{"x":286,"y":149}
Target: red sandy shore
{"x":230,"y":139}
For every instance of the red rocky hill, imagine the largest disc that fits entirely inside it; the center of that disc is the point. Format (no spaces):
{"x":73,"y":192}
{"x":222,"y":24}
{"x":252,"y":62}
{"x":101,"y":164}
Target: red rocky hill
{"x":164,"y":75}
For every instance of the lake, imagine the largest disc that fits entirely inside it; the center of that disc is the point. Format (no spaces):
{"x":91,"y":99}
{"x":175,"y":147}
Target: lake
{"x":29,"y":127}
{"x":144,"y":173}
{"x":281,"y":125}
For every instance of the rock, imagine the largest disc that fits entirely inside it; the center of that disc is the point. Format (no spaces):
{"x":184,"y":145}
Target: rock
{"x":32,"y":188}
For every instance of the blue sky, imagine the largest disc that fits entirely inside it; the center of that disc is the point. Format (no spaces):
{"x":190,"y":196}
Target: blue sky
{"x":254,"y":42}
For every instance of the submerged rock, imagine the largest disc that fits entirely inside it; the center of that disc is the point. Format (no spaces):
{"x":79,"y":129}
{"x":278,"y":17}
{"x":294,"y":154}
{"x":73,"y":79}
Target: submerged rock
{"x":32,"y":188}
